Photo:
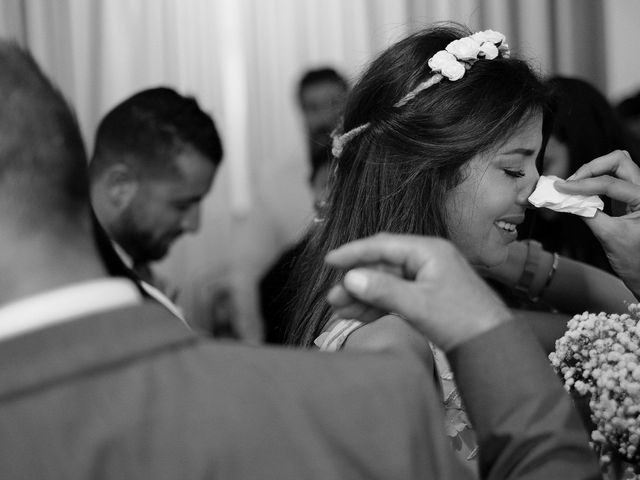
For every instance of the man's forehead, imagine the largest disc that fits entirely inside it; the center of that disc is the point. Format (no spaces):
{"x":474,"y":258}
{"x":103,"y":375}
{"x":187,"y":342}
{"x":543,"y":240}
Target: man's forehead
{"x":190,"y":176}
{"x":321,"y":90}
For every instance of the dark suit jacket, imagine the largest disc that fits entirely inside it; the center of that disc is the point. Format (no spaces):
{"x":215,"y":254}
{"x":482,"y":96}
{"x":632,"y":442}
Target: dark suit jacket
{"x":131,"y":394}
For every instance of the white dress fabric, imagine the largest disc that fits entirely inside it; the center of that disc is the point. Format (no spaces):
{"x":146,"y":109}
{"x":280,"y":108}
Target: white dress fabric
{"x":457,"y":425}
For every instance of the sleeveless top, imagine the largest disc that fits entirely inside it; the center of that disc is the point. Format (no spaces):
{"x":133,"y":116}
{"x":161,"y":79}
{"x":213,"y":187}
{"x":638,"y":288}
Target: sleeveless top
{"x":457,"y":425}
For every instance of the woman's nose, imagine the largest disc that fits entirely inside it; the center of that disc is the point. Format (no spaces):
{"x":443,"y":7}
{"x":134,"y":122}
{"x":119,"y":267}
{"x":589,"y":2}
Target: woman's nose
{"x":528,"y":186}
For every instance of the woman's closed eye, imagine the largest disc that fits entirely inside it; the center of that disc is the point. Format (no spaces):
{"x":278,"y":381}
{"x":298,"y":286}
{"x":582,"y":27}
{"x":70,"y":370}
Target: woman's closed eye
{"x":513,"y":173}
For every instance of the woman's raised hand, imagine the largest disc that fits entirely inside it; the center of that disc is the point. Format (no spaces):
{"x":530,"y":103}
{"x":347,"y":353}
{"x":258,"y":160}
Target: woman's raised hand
{"x":618,"y":177}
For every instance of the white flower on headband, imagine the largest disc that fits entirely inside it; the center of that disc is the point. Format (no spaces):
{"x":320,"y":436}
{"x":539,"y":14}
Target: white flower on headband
{"x":451,"y":63}
{"x":447,"y":64}
{"x":460,"y":54}
{"x":490,"y":36}
{"x":489,"y":50}
{"x":492,"y":44}
{"x":464,"y":49}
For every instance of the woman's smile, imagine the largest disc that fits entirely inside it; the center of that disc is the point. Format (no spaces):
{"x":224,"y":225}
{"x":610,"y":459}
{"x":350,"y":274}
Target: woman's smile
{"x":485,"y":209}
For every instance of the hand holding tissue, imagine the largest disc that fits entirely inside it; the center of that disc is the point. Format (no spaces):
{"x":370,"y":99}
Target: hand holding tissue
{"x":546,"y":196}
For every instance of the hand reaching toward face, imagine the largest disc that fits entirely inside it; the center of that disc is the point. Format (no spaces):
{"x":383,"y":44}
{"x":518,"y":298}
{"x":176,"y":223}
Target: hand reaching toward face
{"x":618,"y":177}
{"x":426,"y":280}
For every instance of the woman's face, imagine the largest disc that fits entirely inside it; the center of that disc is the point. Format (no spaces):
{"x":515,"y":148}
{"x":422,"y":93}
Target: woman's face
{"x":484,"y":210}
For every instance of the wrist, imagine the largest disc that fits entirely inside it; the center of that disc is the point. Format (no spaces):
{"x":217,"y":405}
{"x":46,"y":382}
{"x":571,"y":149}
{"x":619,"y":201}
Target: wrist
{"x":537,"y":272}
{"x":492,"y":317}
{"x":510,"y":270}
{"x":546,"y":274}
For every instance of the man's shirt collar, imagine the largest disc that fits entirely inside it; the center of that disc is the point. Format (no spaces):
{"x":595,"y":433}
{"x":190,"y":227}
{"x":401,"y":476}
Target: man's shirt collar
{"x":65,"y":304}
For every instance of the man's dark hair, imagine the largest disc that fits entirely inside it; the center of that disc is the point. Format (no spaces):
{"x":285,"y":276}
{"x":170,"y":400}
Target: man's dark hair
{"x":320,"y":75}
{"x":43,"y":163}
{"x":148,"y":127}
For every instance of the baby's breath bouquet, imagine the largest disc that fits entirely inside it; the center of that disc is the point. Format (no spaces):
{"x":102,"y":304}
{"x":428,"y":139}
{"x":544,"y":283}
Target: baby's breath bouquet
{"x":599,"y":359}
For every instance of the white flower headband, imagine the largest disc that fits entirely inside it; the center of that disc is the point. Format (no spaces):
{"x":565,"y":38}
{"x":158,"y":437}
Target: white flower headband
{"x":452,"y":63}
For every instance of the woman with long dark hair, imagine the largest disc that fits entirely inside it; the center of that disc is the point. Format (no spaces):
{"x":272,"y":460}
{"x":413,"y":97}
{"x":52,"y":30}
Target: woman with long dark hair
{"x":440,"y":136}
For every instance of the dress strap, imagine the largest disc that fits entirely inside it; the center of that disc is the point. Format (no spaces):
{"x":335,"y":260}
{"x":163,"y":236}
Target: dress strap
{"x":336,"y":333}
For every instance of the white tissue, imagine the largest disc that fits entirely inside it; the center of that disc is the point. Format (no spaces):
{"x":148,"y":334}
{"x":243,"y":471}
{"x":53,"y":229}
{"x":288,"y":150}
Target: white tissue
{"x":546,"y":196}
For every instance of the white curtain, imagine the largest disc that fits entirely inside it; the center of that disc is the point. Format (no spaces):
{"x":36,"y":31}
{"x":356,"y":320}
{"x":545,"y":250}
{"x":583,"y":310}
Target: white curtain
{"x":242,"y":59}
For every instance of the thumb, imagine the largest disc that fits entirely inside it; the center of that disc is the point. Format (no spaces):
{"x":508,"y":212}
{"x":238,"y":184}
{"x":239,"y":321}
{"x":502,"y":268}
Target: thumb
{"x":383,"y":291}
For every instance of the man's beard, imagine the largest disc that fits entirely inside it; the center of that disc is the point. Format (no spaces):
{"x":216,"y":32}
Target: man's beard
{"x":140,"y":244}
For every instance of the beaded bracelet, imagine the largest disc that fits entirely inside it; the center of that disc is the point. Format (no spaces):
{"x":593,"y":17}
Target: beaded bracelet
{"x":550,"y":275}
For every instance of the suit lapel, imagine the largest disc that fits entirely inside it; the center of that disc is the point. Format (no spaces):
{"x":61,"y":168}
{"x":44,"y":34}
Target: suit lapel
{"x":70,"y":349}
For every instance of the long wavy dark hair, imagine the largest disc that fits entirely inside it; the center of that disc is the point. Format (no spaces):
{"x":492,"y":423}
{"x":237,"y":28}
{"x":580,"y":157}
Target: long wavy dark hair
{"x":395,"y":175}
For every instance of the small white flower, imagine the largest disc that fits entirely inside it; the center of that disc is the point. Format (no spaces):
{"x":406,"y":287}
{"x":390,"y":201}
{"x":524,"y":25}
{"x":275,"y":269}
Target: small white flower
{"x":489,"y":36}
{"x":446,"y":64}
{"x":489,"y":50}
{"x":633,"y":389}
{"x":580,"y":387}
{"x":465,"y":49}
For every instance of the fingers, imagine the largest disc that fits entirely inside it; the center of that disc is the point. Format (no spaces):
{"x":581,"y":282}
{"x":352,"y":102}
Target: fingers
{"x":346,"y":306}
{"x":408,"y":253}
{"x":604,"y":185}
{"x":617,"y":163}
{"x":381,"y":248}
{"x":365,"y":292}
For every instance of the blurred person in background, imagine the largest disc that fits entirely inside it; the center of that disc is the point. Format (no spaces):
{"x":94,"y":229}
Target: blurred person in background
{"x":321,"y":95}
{"x":629,"y":109}
{"x":154,"y":160}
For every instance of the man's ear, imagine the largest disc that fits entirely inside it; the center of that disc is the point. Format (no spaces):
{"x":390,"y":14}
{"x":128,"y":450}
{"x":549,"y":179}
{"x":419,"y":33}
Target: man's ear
{"x":121,"y":185}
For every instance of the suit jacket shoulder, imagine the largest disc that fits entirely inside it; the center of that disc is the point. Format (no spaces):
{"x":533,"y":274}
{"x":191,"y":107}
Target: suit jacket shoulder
{"x":132,"y":394}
